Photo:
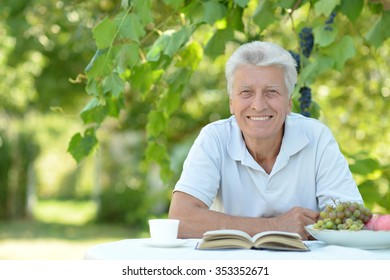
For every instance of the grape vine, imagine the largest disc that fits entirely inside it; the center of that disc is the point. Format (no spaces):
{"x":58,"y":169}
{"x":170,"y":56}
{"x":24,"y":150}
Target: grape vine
{"x":141,"y":53}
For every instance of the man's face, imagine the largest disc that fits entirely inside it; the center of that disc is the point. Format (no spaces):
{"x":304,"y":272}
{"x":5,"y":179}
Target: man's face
{"x":260,"y":101}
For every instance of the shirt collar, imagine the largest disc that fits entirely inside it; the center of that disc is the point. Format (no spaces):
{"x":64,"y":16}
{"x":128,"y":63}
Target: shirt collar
{"x":294,"y":139}
{"x":235,"y":145}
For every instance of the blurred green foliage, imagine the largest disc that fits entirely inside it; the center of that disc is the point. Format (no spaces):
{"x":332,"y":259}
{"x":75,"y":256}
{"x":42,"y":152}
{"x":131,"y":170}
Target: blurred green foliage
{"x":134,"y":82}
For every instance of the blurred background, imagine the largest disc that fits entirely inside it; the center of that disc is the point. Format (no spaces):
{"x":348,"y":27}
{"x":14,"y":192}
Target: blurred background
{"x":52,"y":207}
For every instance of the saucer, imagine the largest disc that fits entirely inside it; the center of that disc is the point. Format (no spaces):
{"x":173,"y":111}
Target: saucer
{"x":165,"y":244}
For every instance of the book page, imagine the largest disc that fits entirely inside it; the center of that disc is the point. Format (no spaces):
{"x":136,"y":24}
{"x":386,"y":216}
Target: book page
{"x":226,"y":233}
{"x":281,"y":233}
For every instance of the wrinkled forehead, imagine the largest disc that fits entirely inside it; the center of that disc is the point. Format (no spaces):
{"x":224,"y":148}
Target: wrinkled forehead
{"x":251,"y":75}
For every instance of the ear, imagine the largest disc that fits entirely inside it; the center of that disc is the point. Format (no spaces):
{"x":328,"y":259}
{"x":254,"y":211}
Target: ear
{"x":289,"y":106}
{"x":231,"y":106}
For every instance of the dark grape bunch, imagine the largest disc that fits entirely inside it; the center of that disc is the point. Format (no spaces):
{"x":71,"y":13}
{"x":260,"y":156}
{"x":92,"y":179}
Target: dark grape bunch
{"x":329,"y":21}
{"x":343,"y":216}
{"x":305,"y":100}
{"x":297,"y":59}
{"x":306,"y":41}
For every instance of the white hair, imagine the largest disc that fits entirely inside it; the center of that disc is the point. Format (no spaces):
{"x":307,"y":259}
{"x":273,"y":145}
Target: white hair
{"x":262,"y":54}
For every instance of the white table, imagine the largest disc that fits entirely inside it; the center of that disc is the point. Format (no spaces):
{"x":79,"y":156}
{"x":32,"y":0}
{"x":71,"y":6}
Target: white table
{"x":138,"y":249}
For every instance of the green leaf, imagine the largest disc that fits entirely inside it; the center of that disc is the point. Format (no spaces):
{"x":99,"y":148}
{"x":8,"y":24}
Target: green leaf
{"x":191,"y":56}
{"x":364,"y":166}
{"x":114,"y":106}
{"x":169,"y":43}
{"x":375,"y":7}
{"x":99,"y":65}
{"x":156,"y":152}
{"x":241,"y":3}
{"x":113,"y":84}
{"x":96,"y":111}
{"x":213,"y":12}
{"x":352,"y":8}
{"x":380,"y":32}
{"x":177,"y":40}
{"x":171,"y":100}
{"x":130,"y":27}
{"x":157,"y":122}
{"x":144,"y":10}
{"x":370,"y":192}
{"x":326,"y":7}
{"x":234,"y":18}
{"x":216,"y":45}
{"x":341,"y":51}
{"x":176,"y":4}
{"x":144,"y":77}
{"x":264,"y":14}
{"x":194,"y":11}
{"x":97,"y":54}
{"x":104,"y":33}
{"x":127,"y":55}
{"x":287,"y":4}
{"x":159,"y":46}
{"x":311,"y":71}
{"x":93,"y":112}
{"x":324,"y":36}
{"x":178,"y":78}
{"x":93,"y":87}
{"x":82,"y":146}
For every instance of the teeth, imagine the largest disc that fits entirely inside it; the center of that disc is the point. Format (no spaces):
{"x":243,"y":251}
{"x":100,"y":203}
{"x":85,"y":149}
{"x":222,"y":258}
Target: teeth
{"x":259,"y":118}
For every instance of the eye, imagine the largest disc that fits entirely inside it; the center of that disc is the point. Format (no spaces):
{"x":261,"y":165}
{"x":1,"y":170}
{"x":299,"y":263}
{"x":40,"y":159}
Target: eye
{"x":246,"y":93}
{"x":272,"y":93}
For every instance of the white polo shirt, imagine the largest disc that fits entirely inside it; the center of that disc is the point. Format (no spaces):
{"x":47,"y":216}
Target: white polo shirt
{"x":309,"y":170}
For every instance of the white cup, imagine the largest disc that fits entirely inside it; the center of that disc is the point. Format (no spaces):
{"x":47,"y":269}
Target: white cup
{"x":163,"y":230}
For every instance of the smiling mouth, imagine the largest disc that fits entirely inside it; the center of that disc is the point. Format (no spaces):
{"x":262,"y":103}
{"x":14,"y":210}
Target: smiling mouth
{"x":260,"y":118}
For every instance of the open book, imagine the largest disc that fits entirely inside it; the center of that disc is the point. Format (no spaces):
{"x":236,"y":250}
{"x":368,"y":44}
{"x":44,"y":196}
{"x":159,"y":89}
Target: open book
{"x":236,"y":239}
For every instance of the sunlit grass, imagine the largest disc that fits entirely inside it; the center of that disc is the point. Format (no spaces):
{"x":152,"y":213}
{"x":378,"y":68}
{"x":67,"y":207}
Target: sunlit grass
{"x":65,"y":212}
{"x":60,"y":230}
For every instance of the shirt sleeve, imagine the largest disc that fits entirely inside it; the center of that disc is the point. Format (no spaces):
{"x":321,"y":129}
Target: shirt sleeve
{"x":334,"y":178}
{"x":201,"y":174}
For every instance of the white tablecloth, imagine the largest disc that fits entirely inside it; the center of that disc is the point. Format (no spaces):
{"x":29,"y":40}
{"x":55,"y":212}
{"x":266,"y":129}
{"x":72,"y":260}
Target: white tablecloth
{"x":138,"y":249}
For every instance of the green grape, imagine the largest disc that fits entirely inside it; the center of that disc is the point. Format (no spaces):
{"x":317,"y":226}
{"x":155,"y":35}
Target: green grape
{"x":341,"y":226}
{"x":346,"y":204}
{"x":328,"y":208}
{"x":323,"y":214}
{"x":353,"y":227}
{"x":329,"y":225}
{"x":340,"y":215}
{"x":349,"y":222}
{"x":343,"y":216}
{"x":356,"y":213}
{"x":340,"y":208}
{"x":332,"y":216}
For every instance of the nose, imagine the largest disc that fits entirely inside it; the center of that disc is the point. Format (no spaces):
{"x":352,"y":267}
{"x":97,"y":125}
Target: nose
{"x":259,"y":102}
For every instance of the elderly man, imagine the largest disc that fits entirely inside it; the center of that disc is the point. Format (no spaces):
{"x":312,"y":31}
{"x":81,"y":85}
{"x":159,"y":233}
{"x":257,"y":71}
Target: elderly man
{"x":264,"y":168}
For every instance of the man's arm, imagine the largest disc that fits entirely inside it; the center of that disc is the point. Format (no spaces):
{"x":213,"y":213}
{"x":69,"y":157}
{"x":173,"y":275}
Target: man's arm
{"x":196,"y":218}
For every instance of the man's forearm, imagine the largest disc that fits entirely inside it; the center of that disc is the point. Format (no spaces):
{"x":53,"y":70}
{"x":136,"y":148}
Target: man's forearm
{"x":195,"y":219}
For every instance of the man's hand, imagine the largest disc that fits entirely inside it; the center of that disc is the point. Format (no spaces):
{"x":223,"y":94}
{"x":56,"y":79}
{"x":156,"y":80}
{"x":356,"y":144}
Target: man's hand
{"x":295,"y":220}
